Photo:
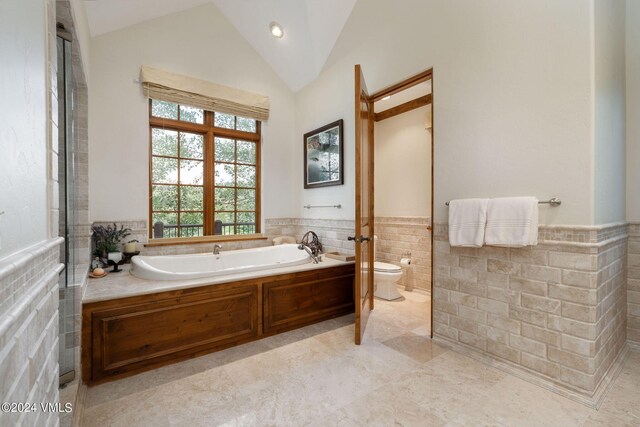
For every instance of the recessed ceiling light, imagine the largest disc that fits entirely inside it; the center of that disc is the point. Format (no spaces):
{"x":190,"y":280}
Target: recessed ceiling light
{"x":385,"y":98}
{"x":276,"y":30}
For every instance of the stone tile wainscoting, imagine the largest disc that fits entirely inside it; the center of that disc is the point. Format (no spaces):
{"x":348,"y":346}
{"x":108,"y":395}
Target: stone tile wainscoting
{"x":633,"y":285}
{"x":29,"y":332}
{"x":555,"y":313}
{"x":332,"y":233}
{"x":397,"y":235}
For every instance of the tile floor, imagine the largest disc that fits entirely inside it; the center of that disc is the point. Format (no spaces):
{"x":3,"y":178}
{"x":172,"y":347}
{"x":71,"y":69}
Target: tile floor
{"x":316,"y":376}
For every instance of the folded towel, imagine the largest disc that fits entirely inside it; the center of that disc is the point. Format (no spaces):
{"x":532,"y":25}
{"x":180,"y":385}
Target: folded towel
{"x":467,"y":219}
{"x":512,"y":222}
{"x":282,"y":240}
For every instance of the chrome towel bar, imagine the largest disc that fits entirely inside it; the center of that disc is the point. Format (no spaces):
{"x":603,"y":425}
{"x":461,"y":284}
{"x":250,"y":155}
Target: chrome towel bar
{"x":322,"y":206}
{"x":552,"y":202}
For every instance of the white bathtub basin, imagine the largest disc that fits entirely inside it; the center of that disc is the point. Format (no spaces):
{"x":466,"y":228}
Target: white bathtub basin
{"x":183,"y":267}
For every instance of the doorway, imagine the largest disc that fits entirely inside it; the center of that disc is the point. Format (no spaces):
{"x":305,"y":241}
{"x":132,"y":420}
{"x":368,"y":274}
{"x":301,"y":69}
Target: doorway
{"x":394,"y":209}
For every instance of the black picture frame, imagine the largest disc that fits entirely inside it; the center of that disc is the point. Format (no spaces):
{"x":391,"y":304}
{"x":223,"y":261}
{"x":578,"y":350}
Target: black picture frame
{"x":321,"y":146}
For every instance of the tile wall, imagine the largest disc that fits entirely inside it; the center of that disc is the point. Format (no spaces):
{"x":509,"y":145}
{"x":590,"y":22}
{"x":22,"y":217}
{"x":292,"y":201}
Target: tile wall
{"x":332,"y":233}
{"x":29,"y":331}
{"x":397,"y":235}
{"x":633,"y":284}
{"x":557,"y":310}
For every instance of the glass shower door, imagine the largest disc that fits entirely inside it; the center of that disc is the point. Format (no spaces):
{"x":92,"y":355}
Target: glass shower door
{"x":66,"y":184}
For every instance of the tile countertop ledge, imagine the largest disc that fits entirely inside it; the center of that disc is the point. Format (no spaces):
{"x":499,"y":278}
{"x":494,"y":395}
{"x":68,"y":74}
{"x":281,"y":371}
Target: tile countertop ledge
{"x":124,"y":284}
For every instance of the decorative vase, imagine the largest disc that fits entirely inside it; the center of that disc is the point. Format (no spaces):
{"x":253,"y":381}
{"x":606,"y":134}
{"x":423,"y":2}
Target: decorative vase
{"x":115,"y":256}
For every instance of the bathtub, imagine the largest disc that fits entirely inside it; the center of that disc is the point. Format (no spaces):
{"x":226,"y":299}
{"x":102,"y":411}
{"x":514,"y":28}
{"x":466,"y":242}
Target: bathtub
{"x":182,"y":267}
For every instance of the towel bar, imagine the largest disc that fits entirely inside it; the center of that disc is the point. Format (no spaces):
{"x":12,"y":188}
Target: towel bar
{"x":552,"y":202}
{"x":322,"y":206}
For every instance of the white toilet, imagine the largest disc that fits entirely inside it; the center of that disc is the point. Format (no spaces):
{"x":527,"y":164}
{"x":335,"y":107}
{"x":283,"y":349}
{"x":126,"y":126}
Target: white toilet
{"x":385,"y":277}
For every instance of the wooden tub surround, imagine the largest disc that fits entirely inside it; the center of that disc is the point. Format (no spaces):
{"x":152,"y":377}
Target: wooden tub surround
{"x":125,"y":336}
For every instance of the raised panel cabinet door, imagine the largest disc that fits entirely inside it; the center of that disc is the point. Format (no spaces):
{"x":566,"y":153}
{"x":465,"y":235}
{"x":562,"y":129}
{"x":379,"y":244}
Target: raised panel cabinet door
{"x":293,"y":303}
{"x":364,"y":205}
{"x":129,"y":338}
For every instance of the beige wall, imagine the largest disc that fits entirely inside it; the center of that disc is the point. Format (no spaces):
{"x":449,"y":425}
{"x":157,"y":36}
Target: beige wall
{"x":512,"y":93}
{"x":609,"y":119}
{"x":403,"y":165}
{"x":199,"y":42}
{"x":633,"y":109}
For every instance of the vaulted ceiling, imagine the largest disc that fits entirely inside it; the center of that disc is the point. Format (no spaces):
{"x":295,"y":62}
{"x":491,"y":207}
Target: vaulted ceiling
{"x":311,"y":27}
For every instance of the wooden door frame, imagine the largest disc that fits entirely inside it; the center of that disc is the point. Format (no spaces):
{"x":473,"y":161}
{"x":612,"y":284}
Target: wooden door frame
{"x":426,"y":75}
{"x":361,"y":93}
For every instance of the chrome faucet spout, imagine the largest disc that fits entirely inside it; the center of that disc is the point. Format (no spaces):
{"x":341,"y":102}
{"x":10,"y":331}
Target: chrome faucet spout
{"x":314,"y":257}
{"x":216,"y":249}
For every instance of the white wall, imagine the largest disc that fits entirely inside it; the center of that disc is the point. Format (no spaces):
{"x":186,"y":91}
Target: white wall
{"x":610,"y":144}
{"x":29,"y":258}
{"x":633,"y":109}
{"x":403,"y":165}
{"x":199,"y":42}
{"x":512,"y":94}
{"x":23,"y":120}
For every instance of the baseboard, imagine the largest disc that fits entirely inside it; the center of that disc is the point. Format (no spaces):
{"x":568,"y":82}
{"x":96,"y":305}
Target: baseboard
{"x":635,"y":346}
{"x":416,"y":290}
{"x":593,"y":400}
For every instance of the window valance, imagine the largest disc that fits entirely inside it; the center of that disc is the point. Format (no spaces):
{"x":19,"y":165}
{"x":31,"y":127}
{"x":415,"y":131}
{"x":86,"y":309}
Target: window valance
{"x":167,"y":86}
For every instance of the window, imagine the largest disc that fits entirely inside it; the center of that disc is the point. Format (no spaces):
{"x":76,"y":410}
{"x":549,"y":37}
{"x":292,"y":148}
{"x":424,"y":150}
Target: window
{"x":204,"y":172}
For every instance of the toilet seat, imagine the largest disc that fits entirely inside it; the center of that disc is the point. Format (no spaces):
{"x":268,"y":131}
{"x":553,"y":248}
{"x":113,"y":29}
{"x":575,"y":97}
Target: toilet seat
{"x":386,"y":276}
{"x":385,"y":267}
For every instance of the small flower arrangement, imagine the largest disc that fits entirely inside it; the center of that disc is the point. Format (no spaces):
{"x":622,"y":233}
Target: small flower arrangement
{"x":107,"y":238}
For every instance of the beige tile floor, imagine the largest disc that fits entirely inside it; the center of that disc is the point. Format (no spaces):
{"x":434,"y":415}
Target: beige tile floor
{"x":316,"y":376}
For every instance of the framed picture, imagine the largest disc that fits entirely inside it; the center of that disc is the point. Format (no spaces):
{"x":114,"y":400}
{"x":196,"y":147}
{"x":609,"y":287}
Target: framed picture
{"x":323,"y":162}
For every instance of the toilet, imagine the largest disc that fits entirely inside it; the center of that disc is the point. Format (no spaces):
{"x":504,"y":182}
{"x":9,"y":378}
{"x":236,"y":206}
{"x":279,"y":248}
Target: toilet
{"x":385,"y":277}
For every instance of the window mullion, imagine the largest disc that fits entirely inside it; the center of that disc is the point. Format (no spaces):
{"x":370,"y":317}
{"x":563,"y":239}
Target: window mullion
{"x":209,"y":190}
{"x":179,"y":164}
{"x":235,"y":182}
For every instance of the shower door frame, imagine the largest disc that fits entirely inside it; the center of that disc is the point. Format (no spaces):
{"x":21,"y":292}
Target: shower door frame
{"x":65,"y":124}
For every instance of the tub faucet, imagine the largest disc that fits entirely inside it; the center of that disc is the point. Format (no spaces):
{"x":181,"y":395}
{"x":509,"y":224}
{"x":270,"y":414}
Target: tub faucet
{"x":216,"y":249}
{"x":314,"y":257}
{"x":312,"y":247}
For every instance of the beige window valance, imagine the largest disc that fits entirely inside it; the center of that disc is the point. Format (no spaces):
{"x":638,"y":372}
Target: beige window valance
{"x":167,"y":86}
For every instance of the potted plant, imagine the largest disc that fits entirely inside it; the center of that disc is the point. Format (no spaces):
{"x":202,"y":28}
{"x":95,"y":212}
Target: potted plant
{"x":107,"y":239}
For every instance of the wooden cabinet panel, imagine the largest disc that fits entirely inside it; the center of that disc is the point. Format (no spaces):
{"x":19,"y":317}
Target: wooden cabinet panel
{"x":140,"y":336}
{"x":292,"y":303}
{"x":129,"y":335}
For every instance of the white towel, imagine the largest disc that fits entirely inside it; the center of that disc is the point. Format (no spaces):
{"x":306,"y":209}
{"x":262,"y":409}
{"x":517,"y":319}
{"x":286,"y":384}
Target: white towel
{"x":467,"y":219}
{"x":512,"y":222}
